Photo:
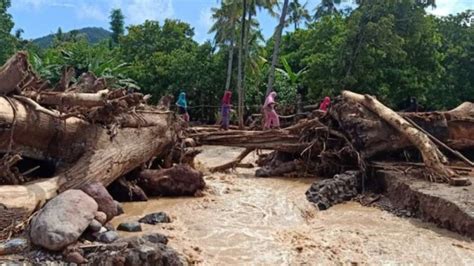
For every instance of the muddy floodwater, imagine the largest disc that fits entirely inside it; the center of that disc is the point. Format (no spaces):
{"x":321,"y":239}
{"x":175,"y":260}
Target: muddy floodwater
{"x":243,"y":220}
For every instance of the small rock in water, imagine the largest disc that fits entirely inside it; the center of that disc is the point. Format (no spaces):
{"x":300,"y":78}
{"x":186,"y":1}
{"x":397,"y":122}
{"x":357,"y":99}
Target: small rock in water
{"x":154,"y":218}
{"x":108,"y":237}
{"x":13,"y":246}
{"x":75,"y":257}
{"x":95,"y":226}
{"x":130,"y":227}
{"x":101,"y":217}
{"x":156,"y":238}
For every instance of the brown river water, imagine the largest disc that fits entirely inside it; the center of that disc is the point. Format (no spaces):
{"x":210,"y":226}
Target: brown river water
{"x":244,"y":220}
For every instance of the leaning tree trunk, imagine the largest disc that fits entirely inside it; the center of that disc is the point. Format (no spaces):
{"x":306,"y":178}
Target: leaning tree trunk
{"x":240,"y":66}
{"x":276,"y":48}
{"x":91,"y":152}
{"x":246,"y":57}
{"x":231,"y":59}
{"x":432,"y":156}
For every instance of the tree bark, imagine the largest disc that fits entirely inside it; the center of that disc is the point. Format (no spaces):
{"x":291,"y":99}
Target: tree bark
{"x":69,"y":98}
{"x":13,"y":72}
{"x":240,"y":66}
{"x":432,"y":156}
{"x":231,"y":59}
{"x":92,"y":151}
{"x":276,"y":48}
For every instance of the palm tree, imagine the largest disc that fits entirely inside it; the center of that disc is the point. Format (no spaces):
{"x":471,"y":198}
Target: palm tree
{"x":327,"y":7}
{"x":276,"y":49}
{"x":249,"y":8}
{"x":226,"y":18}
{"x":298,"y":13}
{"x":240,"y":89}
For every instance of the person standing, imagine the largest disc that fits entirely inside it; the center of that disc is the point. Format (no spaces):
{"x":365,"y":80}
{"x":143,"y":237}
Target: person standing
{"x":183,"y":106}
{"x":271,"y":117}
{"x":225,"y":109}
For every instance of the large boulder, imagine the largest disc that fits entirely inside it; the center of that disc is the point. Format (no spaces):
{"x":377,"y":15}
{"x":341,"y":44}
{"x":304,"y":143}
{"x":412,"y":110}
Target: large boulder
{"x":63,"y":220}
{"x":179,"y":180}
{"x":100,"y":194}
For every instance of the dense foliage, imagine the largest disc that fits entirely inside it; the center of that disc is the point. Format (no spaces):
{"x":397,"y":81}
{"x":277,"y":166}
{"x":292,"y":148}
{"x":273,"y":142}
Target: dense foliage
{"x":391,"y":49}
{"x":93,"y":35}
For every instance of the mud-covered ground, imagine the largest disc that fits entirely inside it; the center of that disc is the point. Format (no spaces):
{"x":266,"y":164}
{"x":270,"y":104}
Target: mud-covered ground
{"x":267,"y":221}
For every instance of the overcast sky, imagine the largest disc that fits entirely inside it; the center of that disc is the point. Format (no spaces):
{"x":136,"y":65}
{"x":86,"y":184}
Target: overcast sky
{"x":41,"y":17}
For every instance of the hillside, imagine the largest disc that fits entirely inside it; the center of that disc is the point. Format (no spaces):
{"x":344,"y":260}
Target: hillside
{"x":93,"y":35}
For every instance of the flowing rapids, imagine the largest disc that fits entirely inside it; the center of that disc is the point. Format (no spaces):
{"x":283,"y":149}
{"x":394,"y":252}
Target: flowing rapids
{"x":243,"y":220}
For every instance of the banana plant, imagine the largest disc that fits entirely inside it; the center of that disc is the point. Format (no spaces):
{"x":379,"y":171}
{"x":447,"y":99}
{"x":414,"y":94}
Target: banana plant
{"x":287,"y":72}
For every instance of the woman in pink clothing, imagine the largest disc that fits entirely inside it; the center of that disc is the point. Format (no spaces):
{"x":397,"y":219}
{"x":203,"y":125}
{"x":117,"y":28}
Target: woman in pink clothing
{"x":325,"y":104}
{"x":271,"y":117}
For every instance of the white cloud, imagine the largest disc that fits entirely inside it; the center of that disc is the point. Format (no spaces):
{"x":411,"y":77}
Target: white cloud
{"x":137,"y":11}
{"x":205,"y":18}
{"x":37,"y":4}
{"x":85,"y":11}
{"x":446,"y":7}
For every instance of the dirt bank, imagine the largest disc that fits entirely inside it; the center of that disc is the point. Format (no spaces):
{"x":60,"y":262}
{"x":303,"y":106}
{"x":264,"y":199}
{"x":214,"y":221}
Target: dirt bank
{"x":449,"y":207}
{"x":268,"y":221}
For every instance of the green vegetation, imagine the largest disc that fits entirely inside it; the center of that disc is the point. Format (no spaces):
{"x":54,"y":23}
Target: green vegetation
{"x":93,"y":35}
{"x":391,"y":49}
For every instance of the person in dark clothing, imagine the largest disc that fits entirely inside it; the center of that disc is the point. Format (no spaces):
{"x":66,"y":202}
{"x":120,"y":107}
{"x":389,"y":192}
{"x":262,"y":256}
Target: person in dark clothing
{"x":414,"y":106}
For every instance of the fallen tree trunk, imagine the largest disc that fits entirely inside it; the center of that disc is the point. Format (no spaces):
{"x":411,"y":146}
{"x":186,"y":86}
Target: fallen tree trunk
{"x":432,"y":156}
{"x":374,"y":137}
{"x":232,"y":164}
{"x":285,"y":140}
{"x":38,"y":135}
{"x":69,"y":98}
{"x":102,"y":157}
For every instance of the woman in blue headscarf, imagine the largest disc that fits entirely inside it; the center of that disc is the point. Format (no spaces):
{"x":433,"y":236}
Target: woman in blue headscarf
{"x":183,"y":106}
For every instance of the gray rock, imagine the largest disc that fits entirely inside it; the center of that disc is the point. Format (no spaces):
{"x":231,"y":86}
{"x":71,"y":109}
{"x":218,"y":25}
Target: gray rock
{"x":153,"y":254}
{"x":136,"y":241}
{"x":95,"y":226}
{"x":154,"y":218}
{"x":156,"y":238}
{"x":108,"y":237}
{"x":62,"y":220}
{"x":130,"y":227}
{"x":13,"y":246}
{"x":101,"y":217}
{"x":100,"y":194}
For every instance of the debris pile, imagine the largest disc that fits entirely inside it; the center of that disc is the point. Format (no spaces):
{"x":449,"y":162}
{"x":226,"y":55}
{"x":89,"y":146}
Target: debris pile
{"x":65,"y":143}
{"x":357,"y":133}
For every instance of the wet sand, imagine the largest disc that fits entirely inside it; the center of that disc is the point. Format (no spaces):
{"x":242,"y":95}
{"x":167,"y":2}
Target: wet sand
{"x":243,"y":220}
